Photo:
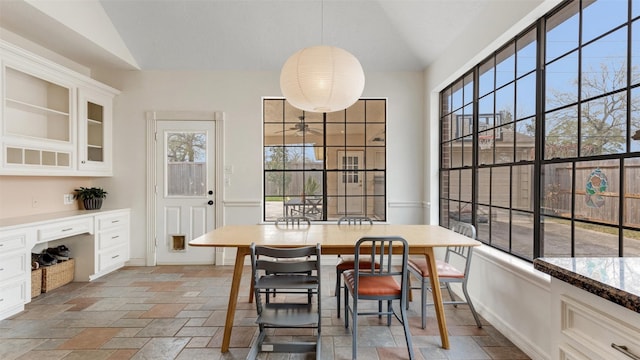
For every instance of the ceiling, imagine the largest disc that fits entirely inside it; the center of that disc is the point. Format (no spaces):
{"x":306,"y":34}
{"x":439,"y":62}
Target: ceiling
{"x":259,"y":35}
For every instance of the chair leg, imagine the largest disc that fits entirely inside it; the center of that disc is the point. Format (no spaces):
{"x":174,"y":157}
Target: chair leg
{"x":450,"y":293}
{"x":354,"y":329}
{"x":338,"y":287}
{"x":407,"y":334}
{"x":473,"y":309}
{"x":346,"y":307}
{"x":423,"y":301}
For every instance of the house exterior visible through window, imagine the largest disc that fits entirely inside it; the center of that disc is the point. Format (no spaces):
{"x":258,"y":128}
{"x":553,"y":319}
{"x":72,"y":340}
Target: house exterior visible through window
{"x":540,"y":142}
{"x":324,"y":165}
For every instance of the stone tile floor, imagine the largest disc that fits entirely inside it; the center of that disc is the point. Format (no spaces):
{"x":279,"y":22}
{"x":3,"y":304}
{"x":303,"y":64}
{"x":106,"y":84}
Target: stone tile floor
{"x":178,"y":312}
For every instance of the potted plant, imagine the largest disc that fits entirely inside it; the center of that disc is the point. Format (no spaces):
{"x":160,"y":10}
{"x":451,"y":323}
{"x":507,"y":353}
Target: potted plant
{"x":91,"y":197}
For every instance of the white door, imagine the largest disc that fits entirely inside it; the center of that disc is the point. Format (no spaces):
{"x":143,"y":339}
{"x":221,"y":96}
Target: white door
{"x":350,"y":182}
{"x":185,"y":195}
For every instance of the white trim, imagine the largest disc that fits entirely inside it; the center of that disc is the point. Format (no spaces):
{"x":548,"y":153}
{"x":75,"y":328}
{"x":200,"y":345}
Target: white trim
{"x":152,"y":117}
{"x":406,"y":204}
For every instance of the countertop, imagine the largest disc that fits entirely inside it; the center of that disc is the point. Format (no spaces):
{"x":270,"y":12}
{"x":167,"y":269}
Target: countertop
{"x":613,"y":278}
{"x":22,"y":220}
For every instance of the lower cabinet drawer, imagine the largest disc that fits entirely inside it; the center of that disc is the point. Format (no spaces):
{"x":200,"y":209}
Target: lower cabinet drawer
{"x":12,"y":242}
{"x":12,"y":294}
{"x":114,"y":256}
{"x":110,"y":238}
{"x":594,"y":331}
{"x":13,"y":265}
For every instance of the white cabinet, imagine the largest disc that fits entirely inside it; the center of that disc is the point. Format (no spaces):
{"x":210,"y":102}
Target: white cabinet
{"x":95,"y":131}
{"x":112,"y":241}
{"x":15,"y":269}
{"x":98,"y":241}
{"x":53,"y":121}
{"x":587,"y":326}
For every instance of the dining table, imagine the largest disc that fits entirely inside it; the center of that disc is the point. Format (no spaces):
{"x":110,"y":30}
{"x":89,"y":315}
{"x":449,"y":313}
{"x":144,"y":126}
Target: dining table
{"x":334,"y":239}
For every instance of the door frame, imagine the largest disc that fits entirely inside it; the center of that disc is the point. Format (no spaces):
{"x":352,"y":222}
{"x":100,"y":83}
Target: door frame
{"x":152,"y":117}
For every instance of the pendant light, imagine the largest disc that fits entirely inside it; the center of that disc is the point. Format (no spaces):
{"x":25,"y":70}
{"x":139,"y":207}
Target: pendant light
{"x":322,"y":78}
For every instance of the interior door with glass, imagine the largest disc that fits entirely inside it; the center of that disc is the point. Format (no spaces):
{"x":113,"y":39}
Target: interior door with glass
{"x":350,"y":181}
{"x":185,"y":194}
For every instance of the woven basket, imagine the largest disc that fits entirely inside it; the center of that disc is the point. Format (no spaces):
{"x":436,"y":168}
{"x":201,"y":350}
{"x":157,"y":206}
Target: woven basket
{"x":57,"y":275}
{"x":36,"y":282}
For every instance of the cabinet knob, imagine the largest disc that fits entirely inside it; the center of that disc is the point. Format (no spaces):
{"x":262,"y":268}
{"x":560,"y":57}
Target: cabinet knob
{"x":210,"y":202}
{"x":83,"y":161}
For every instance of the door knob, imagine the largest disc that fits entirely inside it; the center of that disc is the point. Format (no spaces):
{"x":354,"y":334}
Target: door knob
{"x":210,"y":202}
{"x":210,"y":192}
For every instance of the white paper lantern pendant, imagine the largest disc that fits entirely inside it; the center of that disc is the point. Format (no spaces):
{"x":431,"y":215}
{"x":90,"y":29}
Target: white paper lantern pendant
{"x":322,"y":79}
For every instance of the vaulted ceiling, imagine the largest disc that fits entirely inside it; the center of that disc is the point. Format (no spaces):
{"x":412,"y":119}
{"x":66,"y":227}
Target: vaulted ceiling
{"x":385,"y":35}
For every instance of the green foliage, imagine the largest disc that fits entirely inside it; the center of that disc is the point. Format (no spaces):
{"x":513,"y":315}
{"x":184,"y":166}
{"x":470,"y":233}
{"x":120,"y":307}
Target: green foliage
{"x":84,"y":193}
{"x":311,"y":186}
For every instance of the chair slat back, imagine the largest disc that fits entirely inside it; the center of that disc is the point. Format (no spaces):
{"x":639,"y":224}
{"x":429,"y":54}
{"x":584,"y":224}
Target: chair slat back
{"x":463,"y":252}
{"x":353,"y":220}
{"x":382,"y":249}
{"x":293,"y":221}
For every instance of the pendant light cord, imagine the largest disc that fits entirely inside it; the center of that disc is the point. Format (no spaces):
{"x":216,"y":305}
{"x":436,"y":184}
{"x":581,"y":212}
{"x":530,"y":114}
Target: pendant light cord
{"x":322,"y":22}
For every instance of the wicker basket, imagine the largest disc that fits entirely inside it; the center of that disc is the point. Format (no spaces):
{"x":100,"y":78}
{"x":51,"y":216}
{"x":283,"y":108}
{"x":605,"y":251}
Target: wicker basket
{"x":36,"y":282}
{"x":57,"y":275}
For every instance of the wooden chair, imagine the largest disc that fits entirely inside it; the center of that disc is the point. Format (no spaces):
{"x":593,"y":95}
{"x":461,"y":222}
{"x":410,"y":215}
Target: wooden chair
{"x":291,"y":279}
{"x":447,"y":273}
{"x":383,"y":283}
{"x":347,"y":262}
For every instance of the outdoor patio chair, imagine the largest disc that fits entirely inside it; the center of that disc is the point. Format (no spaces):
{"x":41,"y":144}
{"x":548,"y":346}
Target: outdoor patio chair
{"x":447,"y":273}
{"x":383,"y":283}
{"x":291,"y":279}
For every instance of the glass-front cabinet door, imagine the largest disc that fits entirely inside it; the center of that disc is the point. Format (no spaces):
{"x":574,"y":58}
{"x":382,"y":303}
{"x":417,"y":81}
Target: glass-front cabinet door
{"x":94,"y":143}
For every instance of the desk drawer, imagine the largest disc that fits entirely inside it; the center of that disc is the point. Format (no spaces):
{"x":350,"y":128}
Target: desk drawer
{"x":106,"y":222}
{"x":13,"y":242}
{"x":112,"y":238}
{"x":12,"y":265}
{"x":65,"y":229}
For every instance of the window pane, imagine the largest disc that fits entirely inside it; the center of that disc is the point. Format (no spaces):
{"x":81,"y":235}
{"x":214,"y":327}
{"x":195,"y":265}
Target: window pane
{"x":522,"y":187}
{"x":355,"y":134}
{"x":466,"y":185}
{"x":446,"y":101}
{"x":601,"y":16}
{"x":598,"y":191}
{"x":186,"y":164}
{"x":467,"y":151}
{"x":485,"y":105}
{"x":635,"y":52}
{"x":483,"y":224}
{"x":561,"y":134}
{"x":604,"y":125}
{"x":562,"y":31}
{"x":631,"y":243}
{"x":557,"y":237}
{"x":273,"y":110}
{"x":457,"y":95}
{"x":522,"y":234}
{"x":454,"y":184}
{"x":595,"y":240}
{"x":486,"y":81}
{"x":376,"y":158}
{"x":500,"y":180}
{"x":525,"y":139}
{"x":445,"y":127}
{"x":604,"y":65}
{"x":561,"y":82}
{"x":504,"y":144}
{"x":456,"y":153}
{"x":526,"y":55}
{"x":376,"y":111}
{"x":505,"y":66}
{"x":335,"y":134}
{"x":526,"y":96}
{"x":500,"y":228}
{"x":484,"y":185}
{"x":505,"y":98}
{"x":468,"y":89}
{"x":635,"y":120}
{"x":486,"y":147}
{"x":556,"y":182}
{"x":632,"y":193}
{"x":355,"y":112}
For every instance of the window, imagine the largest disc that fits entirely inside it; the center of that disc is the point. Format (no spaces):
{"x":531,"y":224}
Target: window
{"x":547,"y":164}
{"x":324,"y":165}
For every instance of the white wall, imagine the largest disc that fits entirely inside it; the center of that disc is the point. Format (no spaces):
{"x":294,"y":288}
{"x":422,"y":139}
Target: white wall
{"x":508,"y":292}
{"x":239,"y":96}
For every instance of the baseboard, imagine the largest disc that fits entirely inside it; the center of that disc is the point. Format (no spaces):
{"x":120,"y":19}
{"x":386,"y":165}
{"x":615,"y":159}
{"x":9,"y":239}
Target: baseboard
{"x":136,"y":262}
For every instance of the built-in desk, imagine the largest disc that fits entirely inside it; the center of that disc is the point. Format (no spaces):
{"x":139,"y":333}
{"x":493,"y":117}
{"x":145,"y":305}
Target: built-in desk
{"x":595,"y":307}
{"x":98,"y":241}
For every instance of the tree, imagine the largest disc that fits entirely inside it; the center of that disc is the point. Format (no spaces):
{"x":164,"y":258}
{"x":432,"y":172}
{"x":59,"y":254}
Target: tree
{"x":603,"y":120}
{"x":186,"y":147}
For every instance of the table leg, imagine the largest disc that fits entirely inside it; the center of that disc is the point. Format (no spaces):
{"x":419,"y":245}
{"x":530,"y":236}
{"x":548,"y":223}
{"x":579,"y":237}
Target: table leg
{"x":233,"y":297}
{"x":437,"y":297}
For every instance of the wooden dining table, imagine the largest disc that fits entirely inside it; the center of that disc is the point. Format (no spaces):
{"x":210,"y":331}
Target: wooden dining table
{"x":334,"y":239}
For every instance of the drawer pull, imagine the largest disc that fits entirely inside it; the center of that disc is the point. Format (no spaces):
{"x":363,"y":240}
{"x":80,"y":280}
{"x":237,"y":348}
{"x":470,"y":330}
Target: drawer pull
{"x":67,"y":229}
{"x":625,"y":350}
{"x":115,"y":237}
{"x":115,"y":221}
{"x":1,"y":269}
{"x":115,"y":256}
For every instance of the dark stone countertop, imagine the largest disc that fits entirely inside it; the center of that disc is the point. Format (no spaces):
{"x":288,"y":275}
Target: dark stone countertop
{"x":612,"y":278}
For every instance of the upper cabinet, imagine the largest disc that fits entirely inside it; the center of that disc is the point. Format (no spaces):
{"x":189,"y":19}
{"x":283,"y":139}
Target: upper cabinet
{"x":53,"y":121}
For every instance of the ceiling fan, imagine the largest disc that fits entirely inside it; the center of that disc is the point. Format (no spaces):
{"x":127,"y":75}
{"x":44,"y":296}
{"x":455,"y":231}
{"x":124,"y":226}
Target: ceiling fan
{"x":301,"y":128}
